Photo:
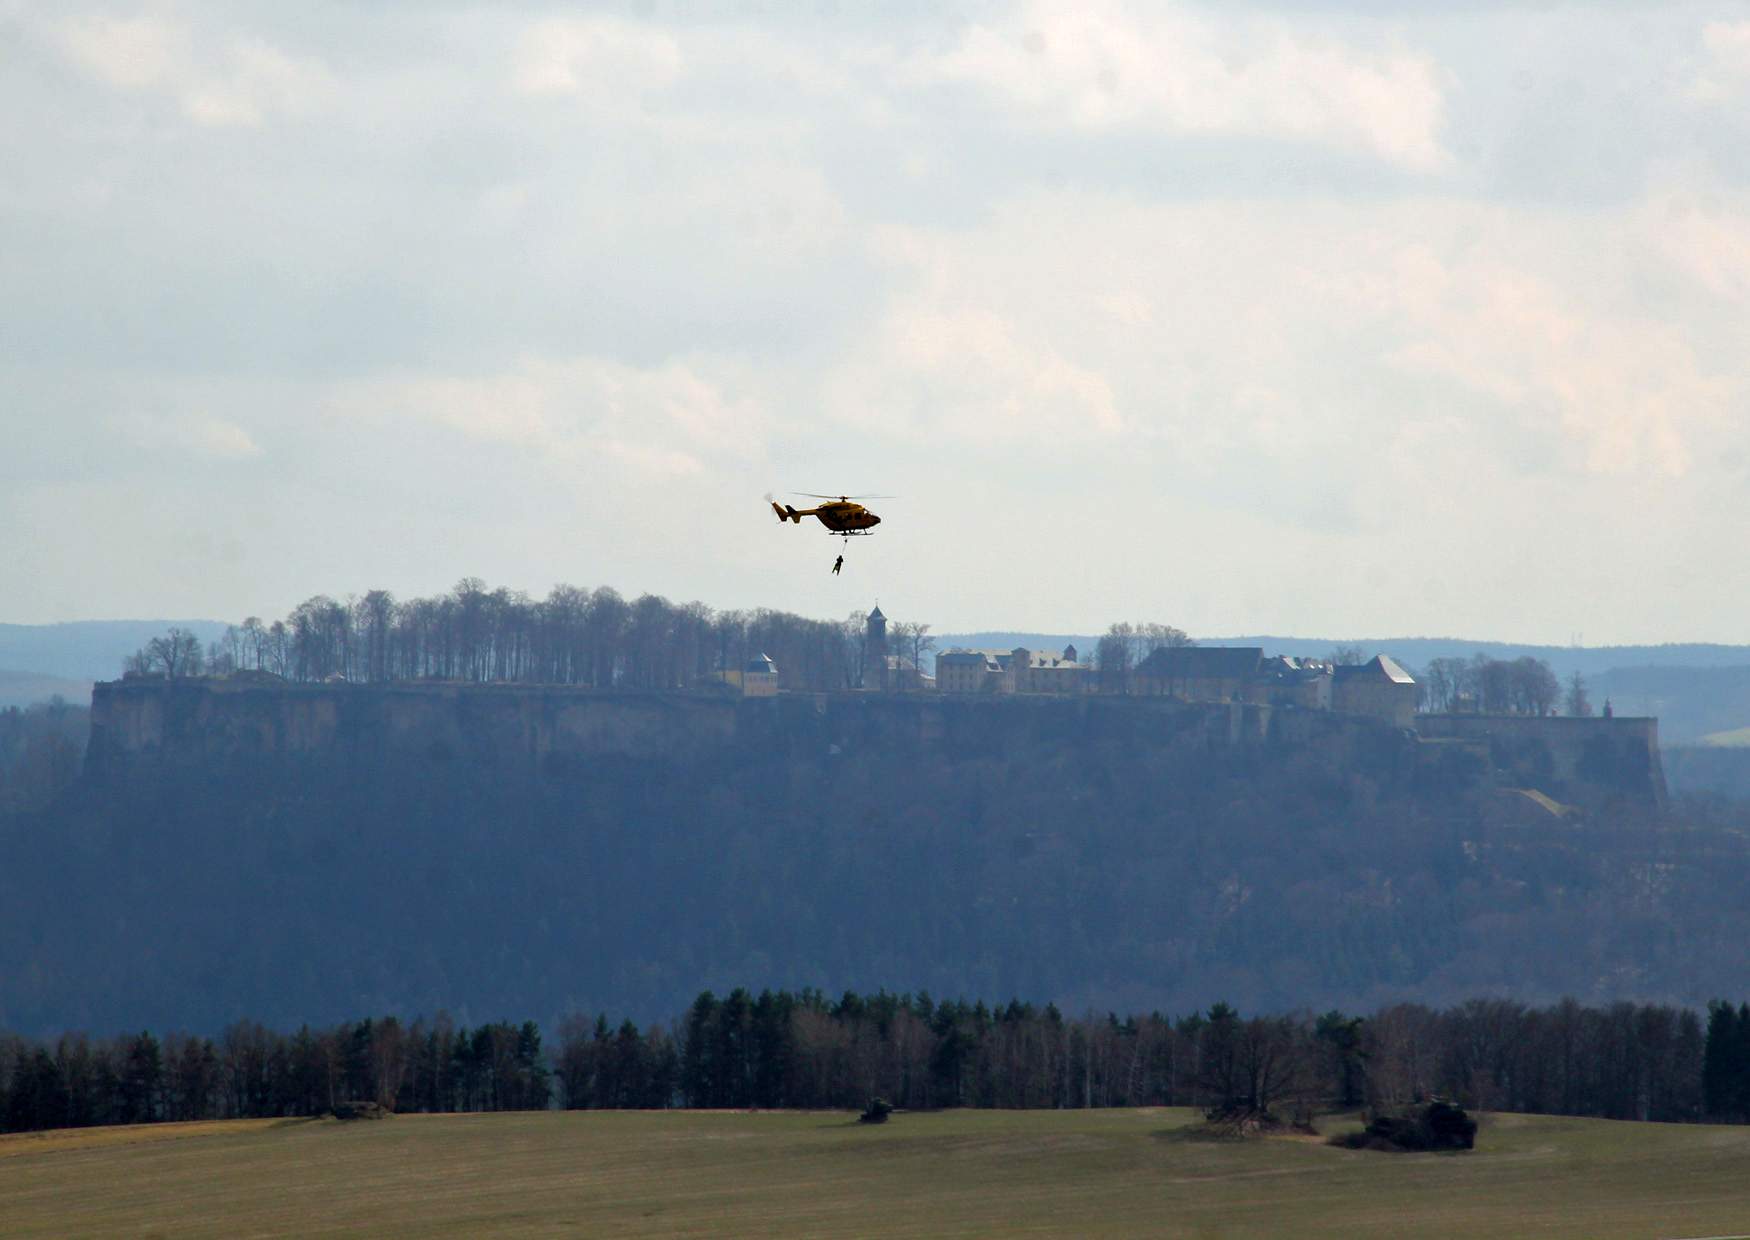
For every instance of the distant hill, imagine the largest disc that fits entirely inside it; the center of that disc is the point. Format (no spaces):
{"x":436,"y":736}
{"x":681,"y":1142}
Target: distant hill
{"x":1411,"y":651}
{"x":86,"y":650}
{"x":1709,"y":770}
{"x":1587,"y":660}
{"x":1008,"y":641}
{"x":24,"y":688}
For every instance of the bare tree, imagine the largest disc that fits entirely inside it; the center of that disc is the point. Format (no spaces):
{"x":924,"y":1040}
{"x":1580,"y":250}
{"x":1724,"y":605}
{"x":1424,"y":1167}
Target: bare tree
{"x":374,"y":618}
{"x":1273,"y":1060}
{"x":177,"y":653}
{"x":1533,"y":687}
{"x":277,"y":650}
{"x":1113,"y":658}
{"x":1401,"y":1045}
{"x":920,"y":642}
{"x":899,"y":639}
{"x":1443,"y":677}
{"x":1494,"y":690}
{"x":254,"y":646}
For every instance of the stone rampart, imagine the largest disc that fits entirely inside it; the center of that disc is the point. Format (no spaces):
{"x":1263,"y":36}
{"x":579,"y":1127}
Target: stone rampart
{"x":152,"y":723}
{"x":146,"y":725}
{"x":1581,"y":760}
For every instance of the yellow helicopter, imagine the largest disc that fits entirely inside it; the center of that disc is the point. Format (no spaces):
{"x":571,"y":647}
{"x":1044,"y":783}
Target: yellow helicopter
{"x":842,"y":514}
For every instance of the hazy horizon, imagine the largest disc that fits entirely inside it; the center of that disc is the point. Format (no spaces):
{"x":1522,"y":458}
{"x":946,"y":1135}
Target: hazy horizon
{"x":1249,"y":318}
{"x":975,"y":630}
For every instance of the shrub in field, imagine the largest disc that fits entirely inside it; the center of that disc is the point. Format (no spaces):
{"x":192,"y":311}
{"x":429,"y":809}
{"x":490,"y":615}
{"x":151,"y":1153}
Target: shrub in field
{"x":1438,"y":1125}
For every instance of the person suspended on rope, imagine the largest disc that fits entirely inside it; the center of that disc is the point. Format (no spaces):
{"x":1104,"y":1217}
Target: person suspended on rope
{"x":838,"y":564}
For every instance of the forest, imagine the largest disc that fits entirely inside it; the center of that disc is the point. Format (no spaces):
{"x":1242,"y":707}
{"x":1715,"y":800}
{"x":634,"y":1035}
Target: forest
{"x":782,"y":1049}
{"x":571,"y":637}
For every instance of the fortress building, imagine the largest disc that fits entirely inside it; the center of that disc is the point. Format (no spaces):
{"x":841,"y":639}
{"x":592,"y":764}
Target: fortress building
{"x":1012,"y":671}
{"x":1379,"y":687}
{"x":886,"y":669}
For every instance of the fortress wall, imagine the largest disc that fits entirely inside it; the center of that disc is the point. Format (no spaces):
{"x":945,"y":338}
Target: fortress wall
{"x":1579,"y":759}
{"x":149,"y":725}
{"x":139,"y":722}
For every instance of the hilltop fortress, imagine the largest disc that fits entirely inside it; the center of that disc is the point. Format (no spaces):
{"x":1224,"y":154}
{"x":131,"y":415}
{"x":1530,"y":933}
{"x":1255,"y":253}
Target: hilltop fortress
{"x":143,"y":726}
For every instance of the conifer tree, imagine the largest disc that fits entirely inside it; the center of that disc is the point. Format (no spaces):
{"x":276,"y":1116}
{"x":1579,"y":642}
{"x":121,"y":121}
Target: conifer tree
{"x":1723,"y":1076}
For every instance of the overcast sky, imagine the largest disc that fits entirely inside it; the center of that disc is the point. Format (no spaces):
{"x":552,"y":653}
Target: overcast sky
{"x":1296,"y":317}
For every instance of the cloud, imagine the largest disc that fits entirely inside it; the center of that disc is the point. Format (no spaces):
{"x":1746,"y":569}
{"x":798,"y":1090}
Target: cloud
{"x":603,"y":59}
{"x":664,"y":421}
{"x":1266,"y":340}
{"x":240,"y":80}
{"x":257,"y":80}
{"x":1107,"y":66}
{"x":200,"y":435}
{"x":1628,"y":394}
{"x":1319,"y":292}
{"x":1724,"y":73}
{"x":133,"y":53}
{"x":972,"y":374}
{"x":1705,"y":233}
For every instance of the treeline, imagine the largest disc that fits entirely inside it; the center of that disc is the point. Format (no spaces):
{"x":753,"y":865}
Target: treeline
{"x":596,"y":638}
{"x":572,"y":637}
{"x":804,"y":1050}
{"x":1726,"y":1064}
{"x":1522,"y":686}
{"x":1624,"y":1061}
{"x":251,"y":1071}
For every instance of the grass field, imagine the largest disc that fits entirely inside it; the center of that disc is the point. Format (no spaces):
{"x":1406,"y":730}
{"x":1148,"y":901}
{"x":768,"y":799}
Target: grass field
{"x":966,"y":1173}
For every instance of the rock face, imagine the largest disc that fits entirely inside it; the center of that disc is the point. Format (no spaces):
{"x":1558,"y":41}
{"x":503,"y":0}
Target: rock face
{"x":141,"y":725}
{"x":255,"y":724}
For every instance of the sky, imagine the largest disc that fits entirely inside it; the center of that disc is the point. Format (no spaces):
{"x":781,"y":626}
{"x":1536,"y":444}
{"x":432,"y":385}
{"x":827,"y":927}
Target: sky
{"x":1310,"y":318}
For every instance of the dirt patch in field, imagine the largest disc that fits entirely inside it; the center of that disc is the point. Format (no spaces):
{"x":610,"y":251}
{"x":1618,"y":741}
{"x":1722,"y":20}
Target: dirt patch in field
{"x":56,"y":1140}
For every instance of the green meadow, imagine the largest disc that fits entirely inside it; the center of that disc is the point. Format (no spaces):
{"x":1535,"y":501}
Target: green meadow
{"x":959,"y":1173}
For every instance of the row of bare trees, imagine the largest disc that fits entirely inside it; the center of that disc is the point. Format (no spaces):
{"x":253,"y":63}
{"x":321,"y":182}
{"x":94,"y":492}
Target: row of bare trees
{"x":251,"y":1071}
{"x":1123,"y":647}
{"x":1522,"y":686}
{"x":1625,"y":1061}
{"x":804,"y":1050}
{"x":783,"y":1049}
{"x":571,"y":637}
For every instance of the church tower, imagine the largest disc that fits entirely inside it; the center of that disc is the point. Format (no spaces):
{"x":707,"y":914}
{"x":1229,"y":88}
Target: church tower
{"x":875,"y":651}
